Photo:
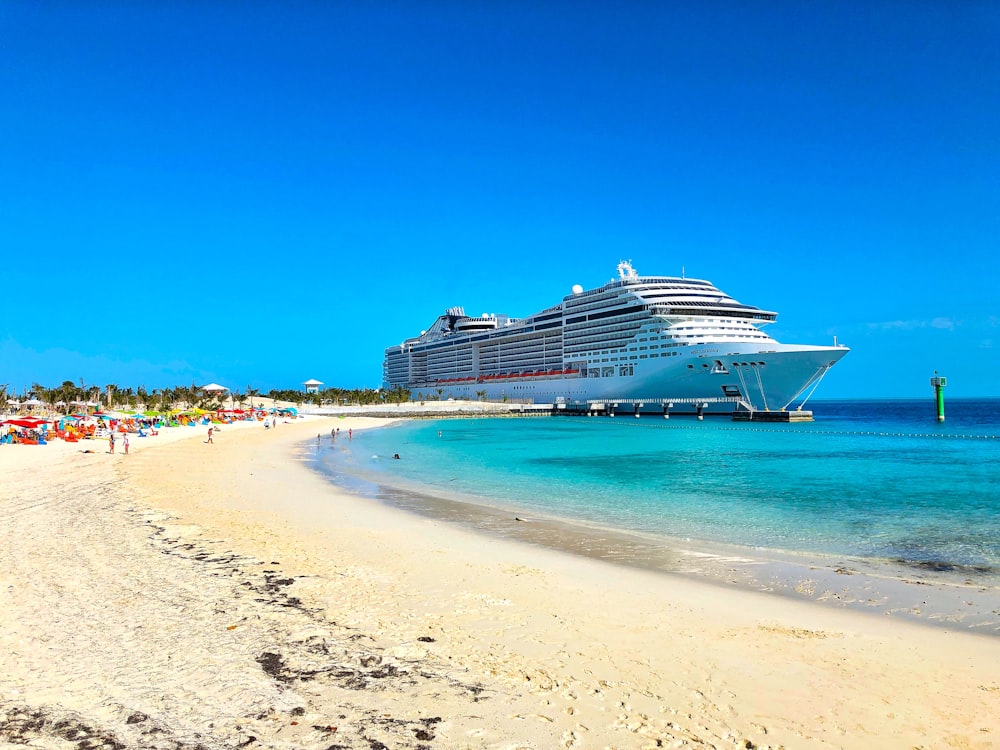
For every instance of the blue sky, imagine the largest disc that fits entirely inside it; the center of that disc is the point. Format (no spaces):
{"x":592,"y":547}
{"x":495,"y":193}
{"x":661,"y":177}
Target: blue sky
{"x":261,"y":193}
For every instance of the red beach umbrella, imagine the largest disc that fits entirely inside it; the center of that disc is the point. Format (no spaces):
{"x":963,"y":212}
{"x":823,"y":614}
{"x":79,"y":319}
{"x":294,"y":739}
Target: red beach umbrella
{"x":31,"y":424}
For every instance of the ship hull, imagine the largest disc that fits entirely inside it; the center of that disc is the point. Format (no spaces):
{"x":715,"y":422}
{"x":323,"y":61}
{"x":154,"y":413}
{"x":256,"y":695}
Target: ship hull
{"x":773,"y":379}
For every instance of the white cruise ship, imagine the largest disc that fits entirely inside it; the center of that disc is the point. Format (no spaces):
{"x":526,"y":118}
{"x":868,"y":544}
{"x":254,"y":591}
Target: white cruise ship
{"x":648,"y":343}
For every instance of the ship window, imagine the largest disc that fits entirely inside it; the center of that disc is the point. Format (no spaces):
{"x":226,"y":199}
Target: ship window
{"x":643,"y":356}
{"x":690,"y":367}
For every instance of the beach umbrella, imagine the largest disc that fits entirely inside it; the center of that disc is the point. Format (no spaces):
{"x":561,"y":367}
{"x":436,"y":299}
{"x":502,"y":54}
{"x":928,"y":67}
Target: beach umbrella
{"x":30,"y":424}
{"x":36,"y":420}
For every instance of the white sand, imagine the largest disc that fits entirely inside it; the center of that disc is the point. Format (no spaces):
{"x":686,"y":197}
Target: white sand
{"x":209,"y":594}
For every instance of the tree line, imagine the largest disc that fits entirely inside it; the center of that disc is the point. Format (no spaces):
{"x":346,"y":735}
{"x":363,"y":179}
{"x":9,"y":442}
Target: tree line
{"x":70,"y":396}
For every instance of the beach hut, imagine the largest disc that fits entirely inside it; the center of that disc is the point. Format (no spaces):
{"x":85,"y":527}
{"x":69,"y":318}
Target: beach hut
{"x":312,"y":386}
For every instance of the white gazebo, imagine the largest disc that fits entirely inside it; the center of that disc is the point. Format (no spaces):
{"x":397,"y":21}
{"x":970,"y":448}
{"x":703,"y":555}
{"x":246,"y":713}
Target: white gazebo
{"x":214,"y":388}
{"x":312,"y":386}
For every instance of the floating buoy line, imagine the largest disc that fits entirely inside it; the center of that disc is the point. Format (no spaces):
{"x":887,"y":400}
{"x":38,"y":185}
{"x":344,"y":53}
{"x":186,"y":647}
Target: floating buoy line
{"x":799,"y":430}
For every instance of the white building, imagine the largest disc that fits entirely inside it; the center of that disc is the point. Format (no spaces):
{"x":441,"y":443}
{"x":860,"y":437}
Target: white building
{"x":312,"y":386}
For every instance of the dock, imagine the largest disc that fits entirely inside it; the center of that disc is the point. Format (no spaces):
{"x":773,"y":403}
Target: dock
{"x":696,"y":407}
{"x":722,"y":406}
{"x":795,"y":415}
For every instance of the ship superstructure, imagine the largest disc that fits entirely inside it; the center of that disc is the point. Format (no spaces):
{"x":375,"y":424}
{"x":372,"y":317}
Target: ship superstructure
{"x":646,"y":340}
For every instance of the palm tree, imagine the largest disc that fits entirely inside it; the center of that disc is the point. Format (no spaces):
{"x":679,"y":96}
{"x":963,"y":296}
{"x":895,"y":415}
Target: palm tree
{"x":68,"y":392}
{"x":128,"y":394}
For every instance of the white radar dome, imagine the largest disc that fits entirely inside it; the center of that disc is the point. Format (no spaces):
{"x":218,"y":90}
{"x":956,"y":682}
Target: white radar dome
{"x":577,"y":289}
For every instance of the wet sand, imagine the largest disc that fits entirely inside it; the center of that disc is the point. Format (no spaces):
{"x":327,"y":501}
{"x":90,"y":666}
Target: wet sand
{"x":226,"y":595}
{"x":954,"y":598}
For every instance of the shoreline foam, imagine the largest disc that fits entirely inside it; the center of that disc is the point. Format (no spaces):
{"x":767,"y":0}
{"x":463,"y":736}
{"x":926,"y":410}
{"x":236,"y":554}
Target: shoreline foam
{"x":225,"y":595}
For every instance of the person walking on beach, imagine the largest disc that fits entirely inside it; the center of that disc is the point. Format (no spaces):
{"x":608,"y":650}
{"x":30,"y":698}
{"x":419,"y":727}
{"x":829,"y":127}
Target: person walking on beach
{"x":111,"y":442}
{"x":125,"y":443}
{"x":210,"y":429}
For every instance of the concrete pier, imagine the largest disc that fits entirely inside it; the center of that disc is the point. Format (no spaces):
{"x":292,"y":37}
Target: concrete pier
{"x":773,"y":416}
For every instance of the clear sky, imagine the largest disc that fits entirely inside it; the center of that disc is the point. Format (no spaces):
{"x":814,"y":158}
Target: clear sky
{"x":258,"y":193}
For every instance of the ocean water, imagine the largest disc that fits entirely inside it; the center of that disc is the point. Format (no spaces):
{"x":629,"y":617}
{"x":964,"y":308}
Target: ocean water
{"x":879,"y":480}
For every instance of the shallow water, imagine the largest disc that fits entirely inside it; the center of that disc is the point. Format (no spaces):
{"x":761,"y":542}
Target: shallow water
{"x":872,"y":479}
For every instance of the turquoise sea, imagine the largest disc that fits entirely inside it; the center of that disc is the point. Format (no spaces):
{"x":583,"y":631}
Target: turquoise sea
{"x":867,"y":480}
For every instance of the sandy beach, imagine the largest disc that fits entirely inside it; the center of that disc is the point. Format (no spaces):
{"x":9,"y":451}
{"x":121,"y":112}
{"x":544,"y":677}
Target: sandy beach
{"x":225,"y":595}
